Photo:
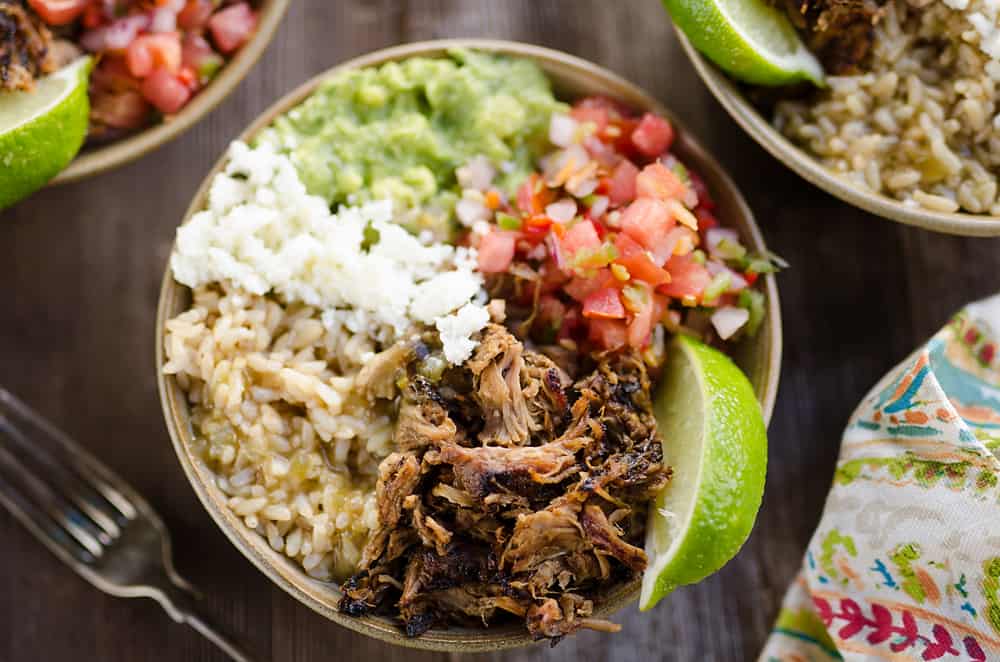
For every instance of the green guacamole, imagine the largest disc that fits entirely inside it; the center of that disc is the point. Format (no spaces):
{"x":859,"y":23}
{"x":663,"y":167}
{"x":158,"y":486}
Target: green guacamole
{"x":400,"y":131}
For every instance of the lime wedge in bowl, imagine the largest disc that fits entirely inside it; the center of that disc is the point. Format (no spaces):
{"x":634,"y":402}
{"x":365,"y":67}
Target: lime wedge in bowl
{"x":715,"y":439}
{"x":41,"y":131}
{"x":751,"y":40}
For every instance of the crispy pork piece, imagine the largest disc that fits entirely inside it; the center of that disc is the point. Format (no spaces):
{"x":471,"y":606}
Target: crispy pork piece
{"x":25,"y":45}
{"x":423,"y":420}
{"x":553,"y":619}
{"x":515,"y":493}
{"x":839,"y":32}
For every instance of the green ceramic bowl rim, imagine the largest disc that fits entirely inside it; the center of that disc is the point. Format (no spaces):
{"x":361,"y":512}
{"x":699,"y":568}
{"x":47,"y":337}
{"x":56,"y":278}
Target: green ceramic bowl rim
{"x":100,"y":159}
{"x":761,"y":130}
{"x":583,"y":78}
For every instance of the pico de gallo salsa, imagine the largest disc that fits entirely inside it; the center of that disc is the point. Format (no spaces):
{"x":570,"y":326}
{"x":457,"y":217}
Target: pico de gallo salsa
{"x":153,"y":55}
{"x":615,"y":242}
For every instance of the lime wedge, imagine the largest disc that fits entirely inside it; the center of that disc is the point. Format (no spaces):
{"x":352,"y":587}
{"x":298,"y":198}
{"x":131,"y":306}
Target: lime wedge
{"x":41,"y":131}
{"x":715,"y":439}
{"x":750,"y":39}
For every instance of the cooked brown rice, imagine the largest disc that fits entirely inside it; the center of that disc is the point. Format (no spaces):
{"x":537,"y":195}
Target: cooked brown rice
{"x":276,"y":416}
{"x":921,"y":124}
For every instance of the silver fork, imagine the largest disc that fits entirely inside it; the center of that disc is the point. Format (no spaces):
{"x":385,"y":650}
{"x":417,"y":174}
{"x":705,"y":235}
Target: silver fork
{"x":92,"y":519}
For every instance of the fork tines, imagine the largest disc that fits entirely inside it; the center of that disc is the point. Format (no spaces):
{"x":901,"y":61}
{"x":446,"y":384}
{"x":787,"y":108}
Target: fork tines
{"x":53,"y":489}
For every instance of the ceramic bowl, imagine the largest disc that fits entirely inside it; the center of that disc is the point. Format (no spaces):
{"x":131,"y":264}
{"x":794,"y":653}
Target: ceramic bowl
{"x":760,"y":129}
{"x":97,"y":159}
{"x":572,"y":78}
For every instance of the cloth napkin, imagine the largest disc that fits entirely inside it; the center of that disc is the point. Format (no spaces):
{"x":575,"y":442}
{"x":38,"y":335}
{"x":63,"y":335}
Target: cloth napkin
{"x":905,"y":563}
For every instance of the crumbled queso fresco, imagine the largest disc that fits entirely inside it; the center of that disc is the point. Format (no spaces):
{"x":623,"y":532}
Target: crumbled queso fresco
{"x":264,"y":233}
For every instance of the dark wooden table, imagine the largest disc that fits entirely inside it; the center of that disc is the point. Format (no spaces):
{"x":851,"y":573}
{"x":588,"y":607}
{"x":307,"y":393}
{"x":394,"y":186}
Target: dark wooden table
{"x":80,"y":267}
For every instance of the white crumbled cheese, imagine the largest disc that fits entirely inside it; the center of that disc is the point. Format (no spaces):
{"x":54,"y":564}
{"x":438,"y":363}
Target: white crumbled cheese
{"x":457,"y":329}
{"x":442,"y":294}
{"x":264,"y":233}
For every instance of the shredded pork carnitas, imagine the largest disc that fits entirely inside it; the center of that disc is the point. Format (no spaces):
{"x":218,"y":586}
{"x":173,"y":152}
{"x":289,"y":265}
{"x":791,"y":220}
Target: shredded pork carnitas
{"x":25,"y":47}
{"x":512,"y":491}
{"x":839,"y":32}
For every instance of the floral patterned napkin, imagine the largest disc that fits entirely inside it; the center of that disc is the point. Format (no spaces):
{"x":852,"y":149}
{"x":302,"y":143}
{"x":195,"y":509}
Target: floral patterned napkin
{"x":905,"y":564}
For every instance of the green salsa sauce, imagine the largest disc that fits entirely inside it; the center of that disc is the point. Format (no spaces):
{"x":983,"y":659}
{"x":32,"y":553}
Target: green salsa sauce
{"x":400,"y":131}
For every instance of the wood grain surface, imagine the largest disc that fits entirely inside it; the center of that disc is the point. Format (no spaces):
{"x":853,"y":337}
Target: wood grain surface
{"x":80,"y":267}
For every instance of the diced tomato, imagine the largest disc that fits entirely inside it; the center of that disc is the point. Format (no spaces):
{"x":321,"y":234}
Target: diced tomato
{"x":706,"y":219}
{"x":580,"y":236}
{"x":58,"y":12}
{"x":231,"y":27}
{"x":600,"y":110}
{"x":589,"y":114}
{"x":621,"y":138}
{"x":679,"y":240}
{"x":751,"y":277}
{"x":658,"y":181}
{"x":496,"y":251}
{"x":195,"y":14}
{"x":188,"y":76}
{"x":125,"y":109}
{"x":608,"y":334}
{"x":153,"y":51}
{"x":579,"y":288}
{"x":621,"y":184}
{"x":688,"y":279}
{"x":701,"y":190}
{"x":627,"y":246}
{"x":535,"y":228}
{"x":647,"y":220}
{"x":605,"y":303}
{"x":165,"y":91}
{"x":112,"y":74}
{"x":640,"y":265}
{"x":653,"y":135}
{"x":533,"y":196}
{"x":93,"y":16}
{"x":198,"y":54}
{"x":641,"y":325}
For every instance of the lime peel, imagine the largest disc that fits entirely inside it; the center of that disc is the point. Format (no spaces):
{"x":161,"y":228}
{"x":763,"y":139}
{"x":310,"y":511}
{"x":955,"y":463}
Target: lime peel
{"x":751,"y":40}
{"x":41,"y":131}
{"x":715,"y":439}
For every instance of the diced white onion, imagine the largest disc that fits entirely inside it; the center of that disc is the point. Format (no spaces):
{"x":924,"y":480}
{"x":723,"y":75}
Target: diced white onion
{"x":600,"y":206}
{"x":477,"y":174}
{"x":561,"y":211}
{"x":737,"y":282}
{"x":562,"y":130}
{"x":583,"y":188}
{"x":715,"y":235}
{"x":164,"y":20}
{"x":574,"y":156}
{"x":728,"y":320}
{"x":469,"y":211}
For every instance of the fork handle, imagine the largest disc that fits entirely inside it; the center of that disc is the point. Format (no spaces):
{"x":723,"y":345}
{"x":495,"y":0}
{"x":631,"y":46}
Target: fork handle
{"x":184,"y":608}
